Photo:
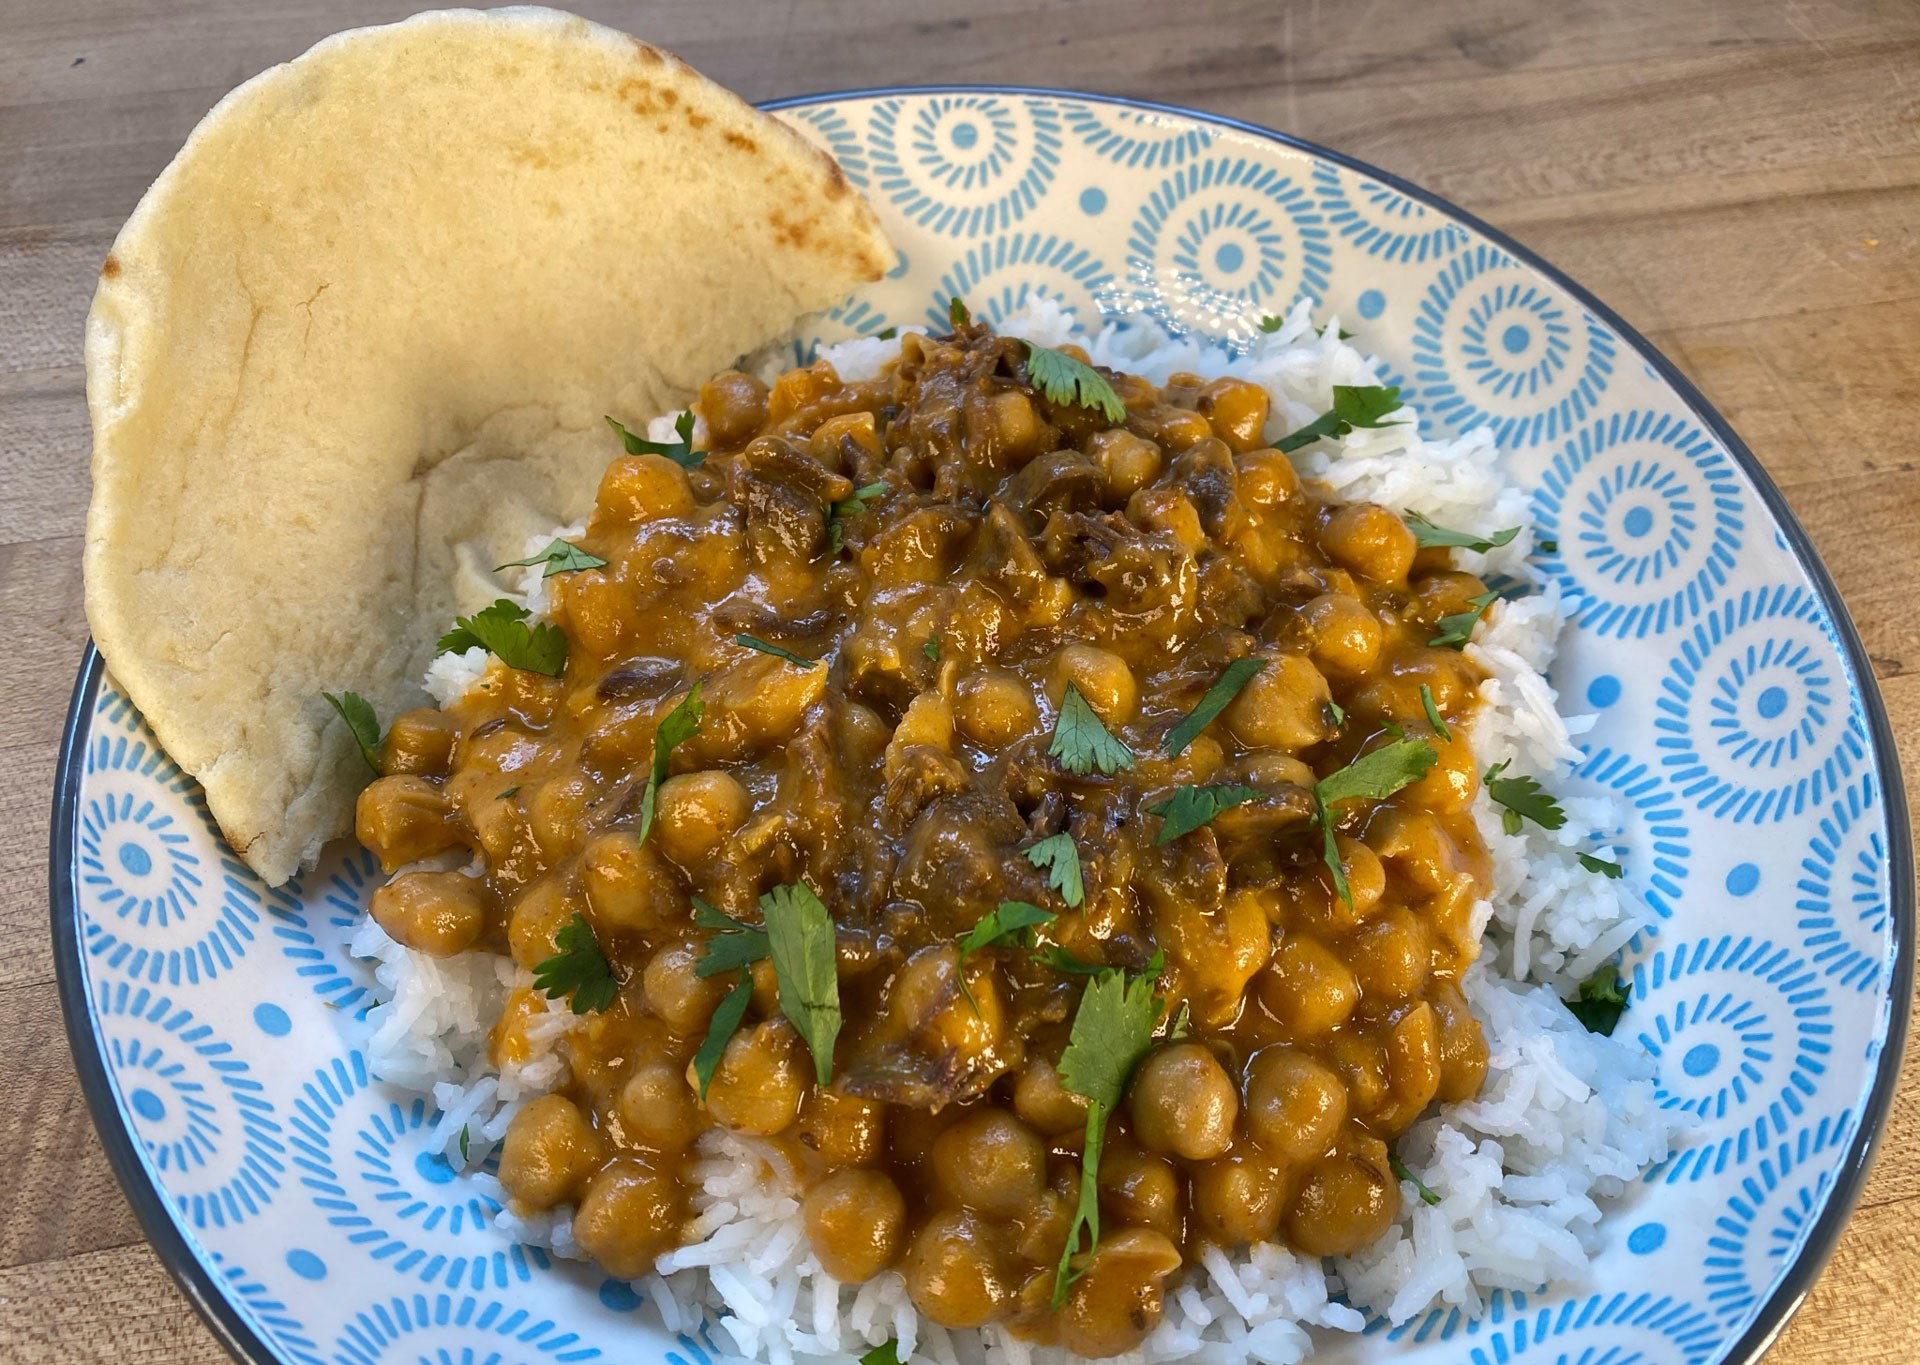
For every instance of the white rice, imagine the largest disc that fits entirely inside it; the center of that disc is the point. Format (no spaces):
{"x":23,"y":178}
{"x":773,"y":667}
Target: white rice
{"x":1566,"y":1121}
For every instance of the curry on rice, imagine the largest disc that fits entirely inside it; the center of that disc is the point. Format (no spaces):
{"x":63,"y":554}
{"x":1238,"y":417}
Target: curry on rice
{"x":1012,"y":734}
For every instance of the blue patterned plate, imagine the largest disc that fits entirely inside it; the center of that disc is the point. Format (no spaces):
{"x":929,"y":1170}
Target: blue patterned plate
{"x":218,"y":1024}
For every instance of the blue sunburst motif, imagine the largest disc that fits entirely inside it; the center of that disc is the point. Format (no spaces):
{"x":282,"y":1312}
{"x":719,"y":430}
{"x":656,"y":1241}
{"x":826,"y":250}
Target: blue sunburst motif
{"x":272,"y":1317}
{"x":201,"y":1118}
{"x":454,"y":1329}
{"x":1139,"y":139}
{"x":964,"y":165}
{"x":828,"y":127}
{"x":998,"y":278}
{"x":1381,"y":221}
{"x":1494,"y":346}
{"x":1740,"y":1032}
{"x":312,"y":929}
{"x":136,"y":860}
{"x":1601,"y":1329}
{"x":1843,"y":890}
{"x":363,"y":1161}
{"x":1659,"y":841}
{"x":1646,"y":515}
{"x":1752,"y":719}
{"x":1223,"y":241}
{"x":1756,"y":1234}
{"x":853,"y":317}
{"x":1444,"y":1324}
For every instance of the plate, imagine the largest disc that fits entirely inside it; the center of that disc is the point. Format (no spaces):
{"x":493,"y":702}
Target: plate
{"x":217,"y":1023}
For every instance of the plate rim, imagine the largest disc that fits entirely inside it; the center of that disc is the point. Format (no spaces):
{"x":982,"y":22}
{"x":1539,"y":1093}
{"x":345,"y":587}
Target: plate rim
{"x":194,"y":1277}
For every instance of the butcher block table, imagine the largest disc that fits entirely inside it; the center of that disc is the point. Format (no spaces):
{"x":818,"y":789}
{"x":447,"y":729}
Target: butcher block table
{"x":1740,"y":179}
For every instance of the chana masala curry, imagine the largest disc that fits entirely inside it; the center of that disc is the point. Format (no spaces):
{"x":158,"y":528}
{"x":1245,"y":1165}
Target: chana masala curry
{"x":1001,"y":783}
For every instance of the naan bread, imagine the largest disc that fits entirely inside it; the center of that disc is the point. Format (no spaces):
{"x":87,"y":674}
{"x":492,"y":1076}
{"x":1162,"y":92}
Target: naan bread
{"x":356,"y":344}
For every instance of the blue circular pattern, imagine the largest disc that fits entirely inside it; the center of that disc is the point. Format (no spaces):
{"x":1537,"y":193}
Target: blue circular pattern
{"x":147,"y":1104}
{"x":1381,"y":221}
{"x":1657,"y":830}
{"x":964,"y":165}
{"x":1002,"y":277}
{"x":455,"y":1329}
{"x":1742,"y":878}
{"x":1371,"y":304}
{"x":272,"y":1020}
{"x":1717,"y":746}
{"x":1843,"y":894}
{"x":830,"y":128}
{"x":1093,"y":200}
{"x":1466,"y":378}
{"x":1602,"y":1329}
{"x":306,"y":1265}
{"x":1766,"y":1218}
{"x":1138,"y":139}
{"x":620,"y":1296}
{"x":289,"y":1335}
{"x":1603,"y":691}
{"x":1646,"y":1239}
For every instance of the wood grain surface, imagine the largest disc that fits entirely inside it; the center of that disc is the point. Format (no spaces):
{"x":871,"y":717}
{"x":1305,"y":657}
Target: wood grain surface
{"x":1739,"y":178}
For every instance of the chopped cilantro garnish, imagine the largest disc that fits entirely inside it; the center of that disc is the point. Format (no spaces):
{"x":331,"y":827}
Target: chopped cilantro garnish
{"x":886,"y":1353}
{"x":733,"y":945}
{"x":751,"y":642}
{"x":1602,"y":1000}
{"x":1191,"y":807}
{"x":1072,"y":383}
{"x":1061,"y":860}
{"x":957,"y":314}
{"x":1612,"y":871}
{"x":1112,"y":1031}
{"x":1434,"y":718}
{"x":1225,"y":688}
{"x":463,"y":1144}
{"x":1000,"y":924}
{"x":675,"y":729}
{"x":681,"y":451}
{"x":560,"y":556}
{"x":1371,"y":777}
{"x":502,"y":631}
{"x":800,"y":934}
{"x":1400,"y":1171}
{"x":720,"y":1030}
{"x":1457,"y":628}
{"x":361,"y":723}
{"x":579,"y":971}
{"x":1427,"y":535}
{"x":886,"y":334}
{"x":1338,"y":712}
{"x":851,"y":506}
{"x":508,"y":792}
{"x":1551,"y":547}
{"x":1055,"y":958}
{"x":1523,"y":798}
{"x":1272,"y":323}
{"x":932,"y":649}
{"x":1353,"y":406}
{"x":1082,"y":743}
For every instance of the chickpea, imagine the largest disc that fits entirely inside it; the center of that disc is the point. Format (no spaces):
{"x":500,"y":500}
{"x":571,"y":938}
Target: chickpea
{"x":766,"y":987}
{"x":554,"y":810}
{"x":1045,"y":1103}
{"x":991,"y":1162}
{"x":402,"y":819}
{"x":641,"y":488}
{"x":1238,"y":1199}
{"x":1370,"y":541}
{"x":761,"y":1079}
{"x":536,"y":918}
{"x":1018,"y":428}
{"x":1445,"y":593}
{"x":844,"y":1129}
{"x":1295,"y":1105}
{"x":751,"y":704}
{"x":797,"y":389}
{"x":436,"y":913}
{"x":1366,"y":878}
{"x":993,"y":707}
{"x":1127,"y":463}
{"x":1392,"y":955}
{"x":627,"y":884}
{"x":674,"y":990}
{"x":1413,"y":1064}
{"x":656,"y":1107}
{"x":1345,"y":1202}
{"x":954,"y":1273}
{"x":735,"y":406}
{"x":1119,"y":1299}
{"x":595,"y":605}
{"x":1361,"y":1059}
{"x":1238,"y":411}
{"x":856,"y":1222}
{"x":1284,"y":706}
{"x":1346,"y":636}
{"x":1449,"y":785}
{"x":1103,"y":678}
{"x":1141,"y":1189}
{"x":1267,"y":478}
{"x":630,"y":1215}
{"x":550,"y":1152}
{"x":843,"y":443}
{"x":695,"y":812}
{"x":1177,"y":428}
{"x":1416,"y":847}
{"x":420,"y":742}
{"x":1463,"y":1046}
{"x":1308,"y":988}
{"x":1217,"y":953}
{"x":1182,"y":1101}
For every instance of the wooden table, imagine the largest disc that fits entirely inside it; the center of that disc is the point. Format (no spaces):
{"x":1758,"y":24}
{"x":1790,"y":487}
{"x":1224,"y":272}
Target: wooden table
{"x":1740,"y":180}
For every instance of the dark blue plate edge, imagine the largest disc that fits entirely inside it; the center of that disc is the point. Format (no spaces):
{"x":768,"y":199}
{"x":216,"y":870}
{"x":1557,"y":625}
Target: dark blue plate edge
{"x":191,"y":1274}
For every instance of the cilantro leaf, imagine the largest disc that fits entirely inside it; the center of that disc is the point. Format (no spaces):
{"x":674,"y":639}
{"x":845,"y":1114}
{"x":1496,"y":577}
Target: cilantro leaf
{"x":1191,"y":807}
{"x":681,"y":452}
{"x":1353,"y":406}
{"x":1082,"y":743}
{"x":932,"y":648}
{"x":578,"y":971}
{"x":463,"y":1143}
{"x":362,"y":724}
{"x":1400,"y":1171}
{"x":502,"y":631}
{"x":1072,"y":383}
{"x":560,"y":556}
{"x":752,"y":642}
{"x":675,"y":728}
{"x":1338,"y":712}
{"x":1377,"y":775}
{"x":1272,"y":323}
{"x":1434,"y":718}
{"x":1112,"y":1031}
{"x":1547,"y":547}
{"x":850,"y":506}
{"x":1457,"y":628}
{"x":1225,"y":688}
{"x":1055,"y":958}
{"x":800,"y":934}
{"x":720,"y":1030}
{"x":1612,"y":871}
{"x":1523,"y":798}
{"x":733,"y":945}
{"x":508,"y":792}
{"x":1426,"y":535}
{"x":1602,"y":1000}
{"x":886,"y":1353}
{"x":1059,"y":856}
{"x":957,"y":314}
{"x":886,"y":334}
{"x":999,"y":925}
